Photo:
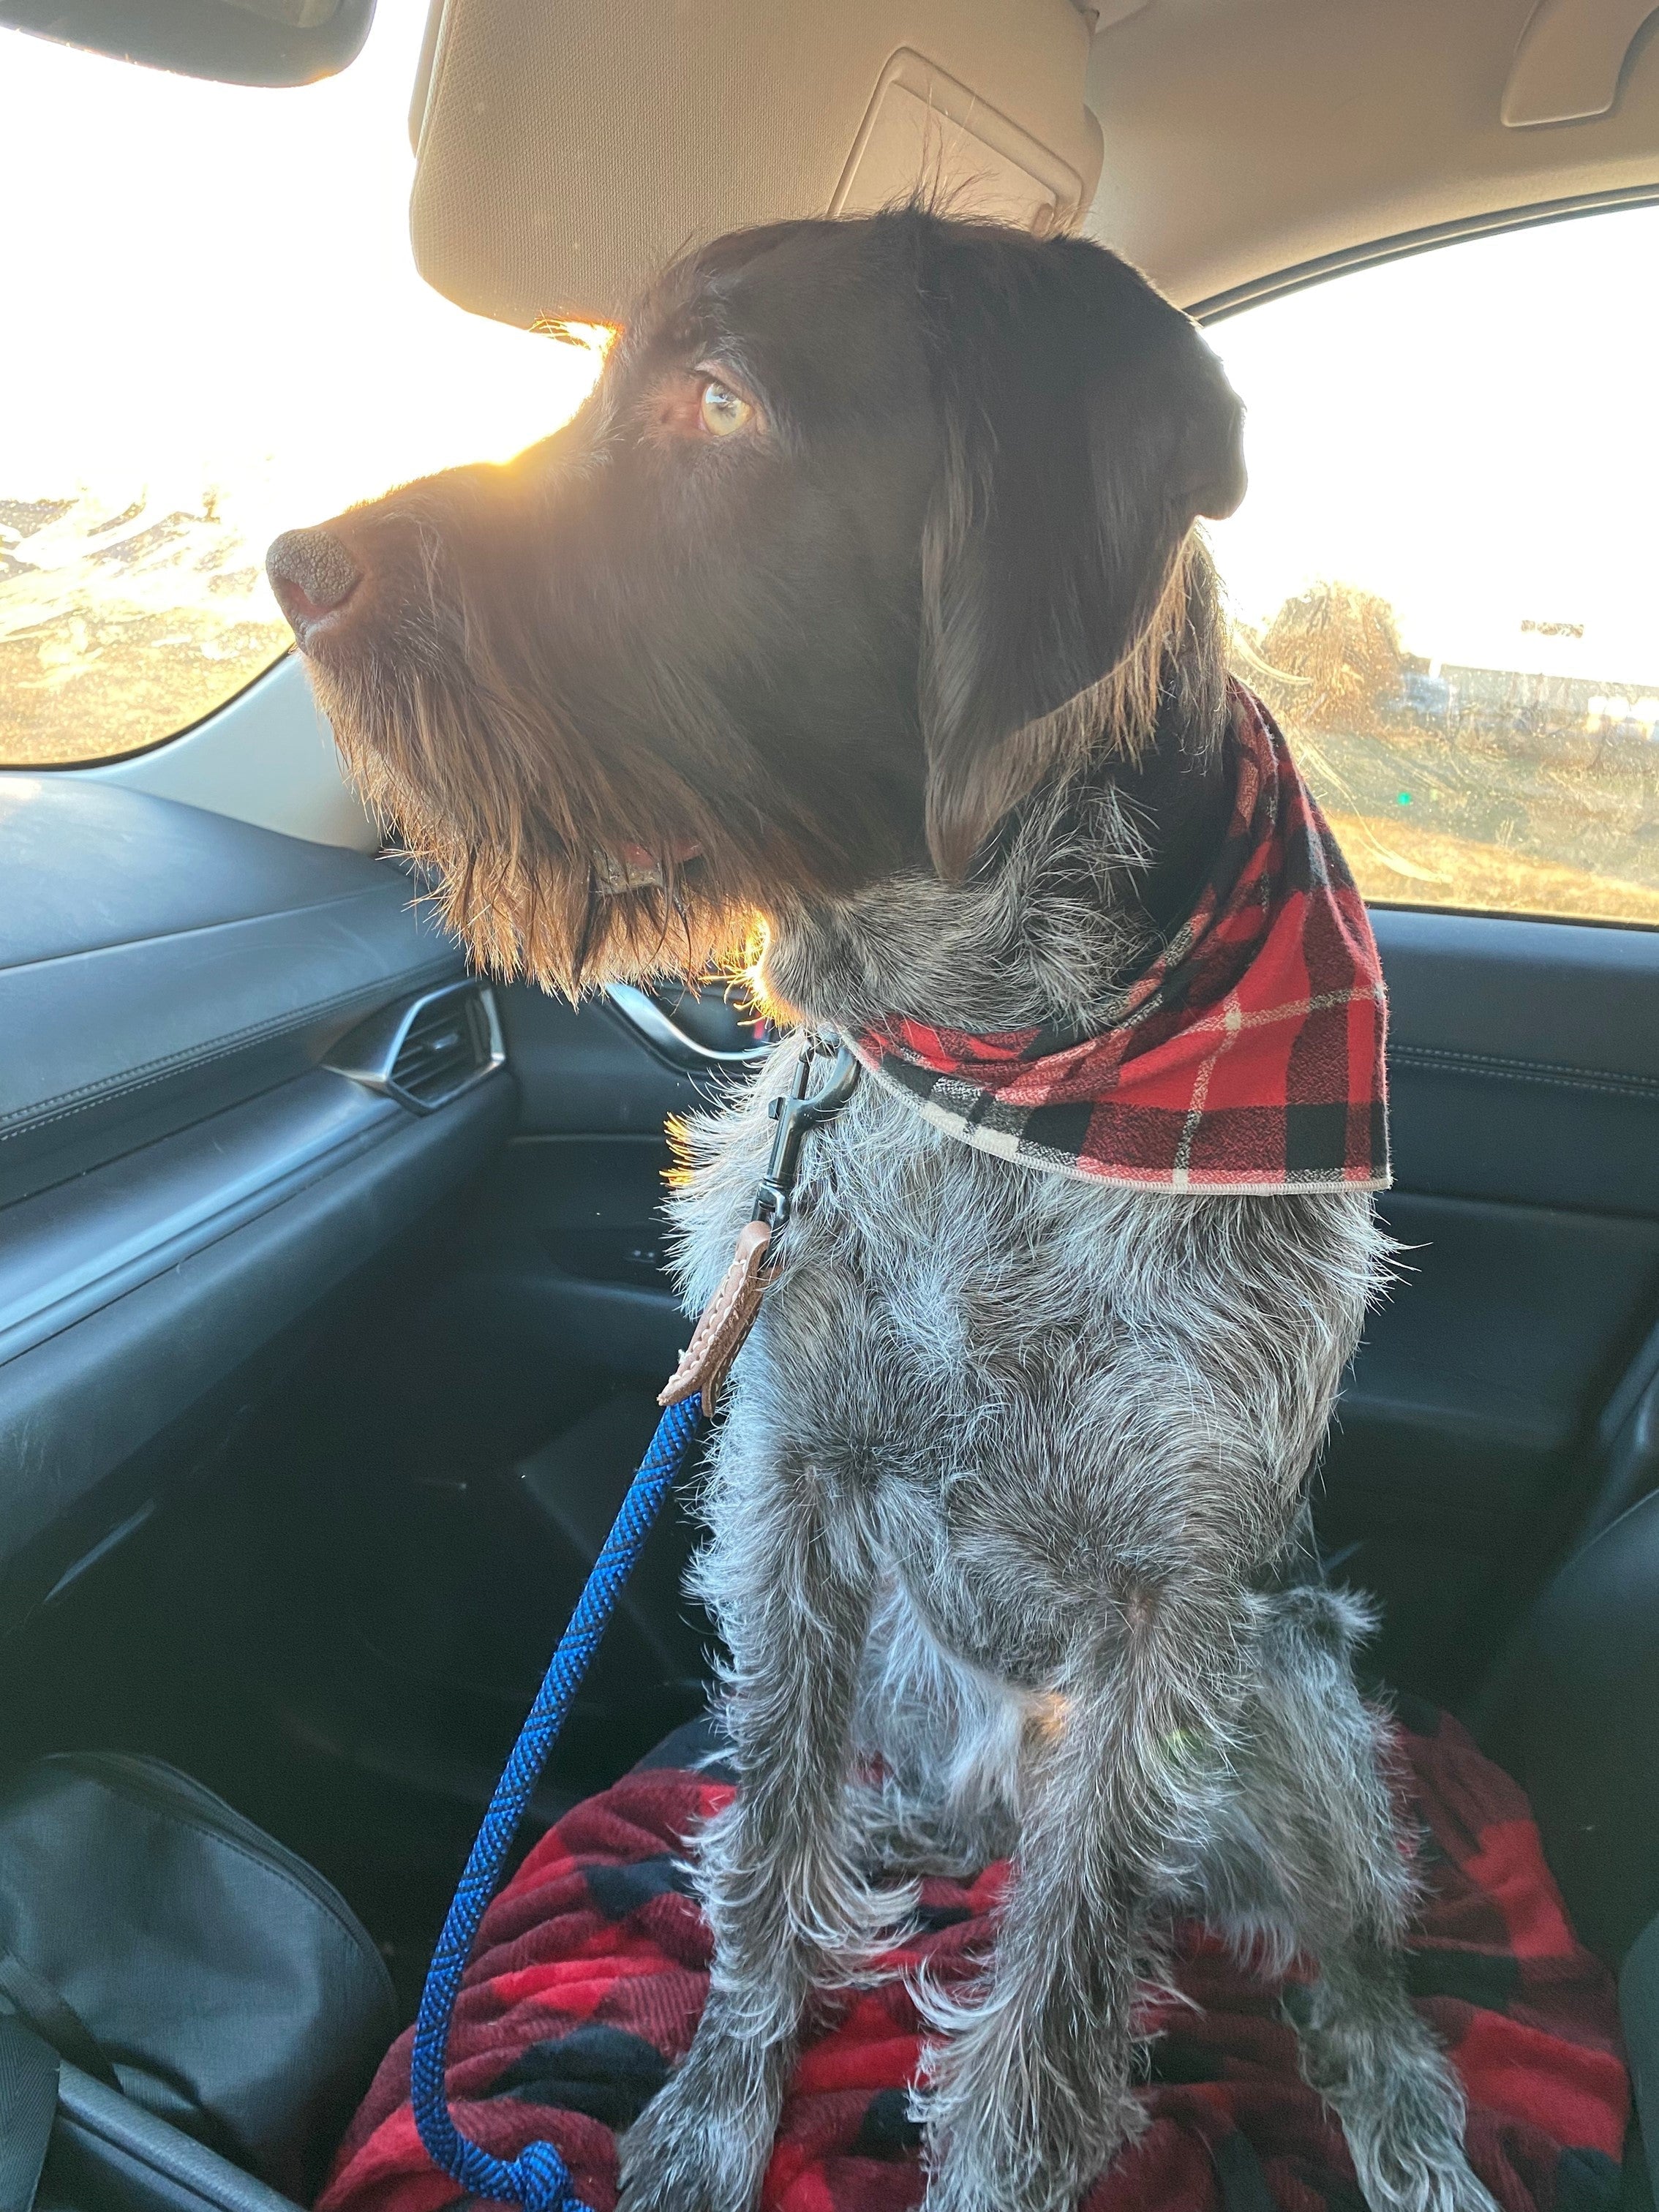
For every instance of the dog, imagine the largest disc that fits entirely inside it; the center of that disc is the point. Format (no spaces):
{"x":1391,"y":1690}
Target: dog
{"x":866,"y":597}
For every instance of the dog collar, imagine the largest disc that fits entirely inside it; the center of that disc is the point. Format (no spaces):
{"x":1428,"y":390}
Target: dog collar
{"x":1246,"y":1059}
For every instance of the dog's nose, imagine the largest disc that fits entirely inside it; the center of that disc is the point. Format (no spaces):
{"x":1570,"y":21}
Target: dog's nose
{"x":313,"y":574}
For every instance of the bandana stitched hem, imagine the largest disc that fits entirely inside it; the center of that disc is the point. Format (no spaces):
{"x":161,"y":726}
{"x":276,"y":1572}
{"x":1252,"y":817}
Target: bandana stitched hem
{"x":1246,"y":1060}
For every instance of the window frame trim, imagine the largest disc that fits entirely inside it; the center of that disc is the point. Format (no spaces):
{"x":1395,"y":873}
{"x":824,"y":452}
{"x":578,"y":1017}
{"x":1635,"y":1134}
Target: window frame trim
{"x":1401,"y":245}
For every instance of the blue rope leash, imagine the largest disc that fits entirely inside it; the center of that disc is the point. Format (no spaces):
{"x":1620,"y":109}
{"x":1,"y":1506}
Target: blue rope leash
{"x":538,"y":2179}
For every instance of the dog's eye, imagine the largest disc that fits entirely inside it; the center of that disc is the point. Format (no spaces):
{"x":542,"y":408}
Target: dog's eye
{"x":698,"y":403}
{"x":723,"y":411}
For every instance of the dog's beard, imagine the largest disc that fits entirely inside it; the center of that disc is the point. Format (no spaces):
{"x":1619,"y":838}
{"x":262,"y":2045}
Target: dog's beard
{"x":531,"y":861}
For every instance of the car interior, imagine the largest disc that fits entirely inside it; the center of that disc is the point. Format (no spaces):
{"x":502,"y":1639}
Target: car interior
{"x":332,"y":1294}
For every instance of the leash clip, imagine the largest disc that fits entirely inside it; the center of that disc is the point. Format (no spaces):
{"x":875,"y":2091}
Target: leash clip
{"x":727,"y":1320}
{"x":797,"y":1113}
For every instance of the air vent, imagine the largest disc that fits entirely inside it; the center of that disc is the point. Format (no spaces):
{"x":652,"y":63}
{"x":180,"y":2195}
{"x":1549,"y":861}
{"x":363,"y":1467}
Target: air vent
{"x":429,"y":1049}
{"x":445,"y":1045}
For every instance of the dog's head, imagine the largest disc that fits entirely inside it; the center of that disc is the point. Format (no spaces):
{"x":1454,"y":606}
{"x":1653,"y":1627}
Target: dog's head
{"x":792,"y":604}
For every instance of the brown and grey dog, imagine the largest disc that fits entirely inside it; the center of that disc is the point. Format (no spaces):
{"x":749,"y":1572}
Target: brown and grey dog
{"x":863,"y":596}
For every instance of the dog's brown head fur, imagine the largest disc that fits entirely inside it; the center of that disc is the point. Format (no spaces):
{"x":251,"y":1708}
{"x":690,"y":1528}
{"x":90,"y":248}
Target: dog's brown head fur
{"x":799,"y":599}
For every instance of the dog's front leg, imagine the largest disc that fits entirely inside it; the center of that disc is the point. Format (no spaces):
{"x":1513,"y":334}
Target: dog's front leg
{"x":789,"y":1578}
{"x":1031,"y":2092}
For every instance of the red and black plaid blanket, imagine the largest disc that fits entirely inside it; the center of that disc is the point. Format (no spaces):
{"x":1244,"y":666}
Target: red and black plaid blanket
{"x":1246,"y":1059}
{"x":592,"y":1963}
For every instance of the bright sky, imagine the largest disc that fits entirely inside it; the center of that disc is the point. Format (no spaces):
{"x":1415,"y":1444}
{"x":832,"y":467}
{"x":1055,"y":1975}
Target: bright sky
{"x":1472,"y":434}
{"x":214,"y":287}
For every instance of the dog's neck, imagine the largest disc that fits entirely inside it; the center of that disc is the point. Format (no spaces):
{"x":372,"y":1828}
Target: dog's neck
{"x":1095,"y":872}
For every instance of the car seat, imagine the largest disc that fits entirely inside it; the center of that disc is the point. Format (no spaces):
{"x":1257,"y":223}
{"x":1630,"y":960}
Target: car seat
{"x":207,"y":2001}
{"x":243,"y":2007}
{"x":1577,"y":1723}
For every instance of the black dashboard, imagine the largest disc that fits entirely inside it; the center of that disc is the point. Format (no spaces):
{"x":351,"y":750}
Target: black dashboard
{"x":235,"y":1070}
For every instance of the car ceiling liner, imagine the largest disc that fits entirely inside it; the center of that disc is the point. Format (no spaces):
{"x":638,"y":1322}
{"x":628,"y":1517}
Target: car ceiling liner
{"x":1252,"y":144}
{"x":568,"y":147}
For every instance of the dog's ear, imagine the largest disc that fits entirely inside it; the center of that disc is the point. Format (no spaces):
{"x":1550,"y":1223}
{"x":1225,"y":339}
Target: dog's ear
{"x":1085,"y":426}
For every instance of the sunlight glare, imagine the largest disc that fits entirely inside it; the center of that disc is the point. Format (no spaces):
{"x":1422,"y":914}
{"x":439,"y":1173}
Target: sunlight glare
{"x":216,"y":331}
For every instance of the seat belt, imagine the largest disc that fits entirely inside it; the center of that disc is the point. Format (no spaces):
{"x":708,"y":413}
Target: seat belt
{"x":53,"y":2016}
{"x":28,"y":2105}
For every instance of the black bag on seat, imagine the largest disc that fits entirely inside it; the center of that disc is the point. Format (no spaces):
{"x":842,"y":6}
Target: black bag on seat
{"x":164,"y":1945}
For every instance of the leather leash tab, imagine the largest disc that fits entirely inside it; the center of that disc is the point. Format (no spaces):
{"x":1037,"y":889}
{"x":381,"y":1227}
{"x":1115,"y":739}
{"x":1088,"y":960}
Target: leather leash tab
{"x":727,"y":1320}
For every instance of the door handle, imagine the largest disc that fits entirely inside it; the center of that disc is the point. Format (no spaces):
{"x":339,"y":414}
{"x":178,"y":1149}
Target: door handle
{"x":670,"y":1041}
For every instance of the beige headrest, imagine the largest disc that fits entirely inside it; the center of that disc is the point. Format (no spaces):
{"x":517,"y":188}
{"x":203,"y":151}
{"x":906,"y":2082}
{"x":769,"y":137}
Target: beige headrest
{"x":568,"y":147}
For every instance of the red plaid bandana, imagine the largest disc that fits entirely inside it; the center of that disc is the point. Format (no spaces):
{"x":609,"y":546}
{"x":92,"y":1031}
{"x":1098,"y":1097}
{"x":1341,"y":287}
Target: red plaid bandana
{"x":1246,"y":1060}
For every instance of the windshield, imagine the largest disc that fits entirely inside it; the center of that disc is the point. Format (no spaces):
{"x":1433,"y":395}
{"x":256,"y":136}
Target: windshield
{"x":217,"y":331}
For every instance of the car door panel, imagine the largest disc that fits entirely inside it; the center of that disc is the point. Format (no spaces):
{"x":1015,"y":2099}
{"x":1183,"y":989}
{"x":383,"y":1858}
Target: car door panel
{"x":145,"y":1389}
{"x":567,"y":1242}
{"x":159,"y":964}
{"x":1473,"y":1438}
{"x":1507,"y":1328}
{"x":1523,"y":1060}
{"x":189,"y":1187}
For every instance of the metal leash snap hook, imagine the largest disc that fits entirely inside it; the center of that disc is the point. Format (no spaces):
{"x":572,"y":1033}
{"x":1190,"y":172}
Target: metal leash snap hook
{"x":724,"y":1324}
{"x":796,"y":1113}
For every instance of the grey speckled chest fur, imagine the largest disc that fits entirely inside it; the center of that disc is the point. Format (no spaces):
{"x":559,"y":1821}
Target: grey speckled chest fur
{"x":1031,"y":1384}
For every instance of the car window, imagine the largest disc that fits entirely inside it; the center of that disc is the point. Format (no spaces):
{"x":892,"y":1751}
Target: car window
{"x":1445,"y":578}
{"x":214,"y":330}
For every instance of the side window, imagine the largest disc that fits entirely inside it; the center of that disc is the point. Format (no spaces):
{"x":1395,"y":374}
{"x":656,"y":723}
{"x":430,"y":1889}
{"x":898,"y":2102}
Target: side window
{"x":214,"y":331}
{"x":1445,"y":579}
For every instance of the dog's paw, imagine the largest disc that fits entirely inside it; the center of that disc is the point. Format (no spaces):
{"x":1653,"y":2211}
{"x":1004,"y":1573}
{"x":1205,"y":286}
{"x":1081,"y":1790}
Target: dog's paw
{"x":979,"y":2164}
{"x":1400,"y":2179}
{"x":1407,"y":2147}
{"x":1393,"y":2089}
{"x":688,"y":2153}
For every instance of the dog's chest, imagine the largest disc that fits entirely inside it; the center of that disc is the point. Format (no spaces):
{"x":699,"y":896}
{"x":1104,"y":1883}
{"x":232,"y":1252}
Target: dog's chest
{"x":922,"y":1286}
{"x":991,"y":1331}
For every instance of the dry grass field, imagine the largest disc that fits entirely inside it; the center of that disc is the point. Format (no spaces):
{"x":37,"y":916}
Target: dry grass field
{"x":118,"y":629}
{"x":121,"y":679}
{"x":1488,"y":789}
{"x":1403,"y":866}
